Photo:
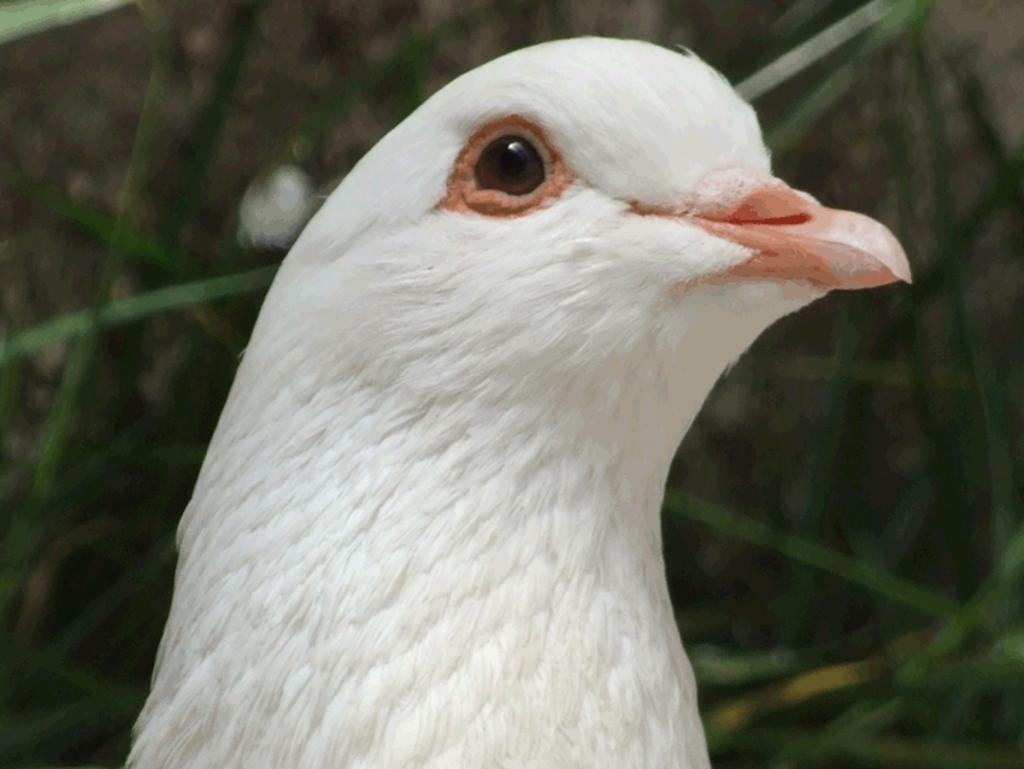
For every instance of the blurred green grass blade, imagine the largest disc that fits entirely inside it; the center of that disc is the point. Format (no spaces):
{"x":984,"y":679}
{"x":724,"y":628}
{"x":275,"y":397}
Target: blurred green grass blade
{"x":715,"y":666}
{"x":813,"y":50}
{"x":413,"y":68}
{"x":210,"y":127}
{"x":835,"y":680}
{"x":996,"y":411}
{"x":863,"y":371}
{"x":986,"y":398}
{"x":1011,"y":566}
{"x":1000,"y":193}
{"x":18,"y":19}
{"x":866,"y":719}
{"x":111,"y":694}
{"x":997,"y":195}
{"x":28,"y":523}
{"x":300,"y":142}
{"x":943,"y":466}
{"x":57,"y":429}
{"x":10,"y":385}
{"x":1007,"y":547}
{"x":102,"y":609}
{"x":979,"y":111}
{"x":821,"y":466}
{"x":976,"y":614}
{"x":999,"y":662}
{"x":158,"y":559}
{"x":101,"y":225}
{"x":805,"y":748}
{"x":799,"y":15}
{"x":811,"y":554}
{"x":70,"y":723}
{"x":134,"y":308}
{"x":904,"y":15}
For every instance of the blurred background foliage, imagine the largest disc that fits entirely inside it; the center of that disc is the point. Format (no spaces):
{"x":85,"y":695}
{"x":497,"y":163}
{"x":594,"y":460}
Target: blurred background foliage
{"x":844,"y":528}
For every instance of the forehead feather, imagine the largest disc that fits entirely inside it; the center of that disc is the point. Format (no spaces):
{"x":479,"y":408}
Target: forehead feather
{"x":638,"y":121}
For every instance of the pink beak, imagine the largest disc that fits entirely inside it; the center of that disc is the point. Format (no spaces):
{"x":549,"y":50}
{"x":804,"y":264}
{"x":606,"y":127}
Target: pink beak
{"x":796,"y":238}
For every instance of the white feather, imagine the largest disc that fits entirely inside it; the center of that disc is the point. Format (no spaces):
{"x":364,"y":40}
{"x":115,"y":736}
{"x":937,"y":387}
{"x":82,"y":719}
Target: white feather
{"x":427,"y":530}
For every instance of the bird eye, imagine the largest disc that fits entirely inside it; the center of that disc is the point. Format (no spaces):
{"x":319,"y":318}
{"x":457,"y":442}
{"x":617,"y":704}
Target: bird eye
{"x":510,"y":164}
{"x":506,"y":168}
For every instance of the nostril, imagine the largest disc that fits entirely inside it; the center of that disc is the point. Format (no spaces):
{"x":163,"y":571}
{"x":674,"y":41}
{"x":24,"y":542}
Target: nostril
{"x":741,"y":217}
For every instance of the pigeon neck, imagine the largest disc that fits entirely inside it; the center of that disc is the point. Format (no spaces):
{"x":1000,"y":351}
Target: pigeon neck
{"x":358,"y":559}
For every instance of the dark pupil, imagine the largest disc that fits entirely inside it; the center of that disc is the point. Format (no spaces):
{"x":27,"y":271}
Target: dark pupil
{"x":510,"y":164}
{"x":514,"y":159}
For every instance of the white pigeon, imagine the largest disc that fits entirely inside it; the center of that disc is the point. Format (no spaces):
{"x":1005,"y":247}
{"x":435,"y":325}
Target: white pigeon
{"x":426,"y":534}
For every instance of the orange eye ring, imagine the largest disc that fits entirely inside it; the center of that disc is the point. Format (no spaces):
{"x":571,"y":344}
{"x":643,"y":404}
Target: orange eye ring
{"x":465,"y":192}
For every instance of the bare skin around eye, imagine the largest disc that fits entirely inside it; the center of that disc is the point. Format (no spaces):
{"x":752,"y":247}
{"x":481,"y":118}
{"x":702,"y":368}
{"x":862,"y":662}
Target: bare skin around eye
{"x":464,"y":195}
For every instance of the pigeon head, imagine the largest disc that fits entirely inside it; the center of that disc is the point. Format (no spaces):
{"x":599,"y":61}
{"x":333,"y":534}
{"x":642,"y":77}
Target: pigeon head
{"x":565,"y":210}
{"x":427,"y":529}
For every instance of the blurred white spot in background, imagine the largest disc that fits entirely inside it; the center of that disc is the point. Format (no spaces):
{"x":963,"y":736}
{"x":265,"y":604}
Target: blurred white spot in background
{"x":275,"y":208}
